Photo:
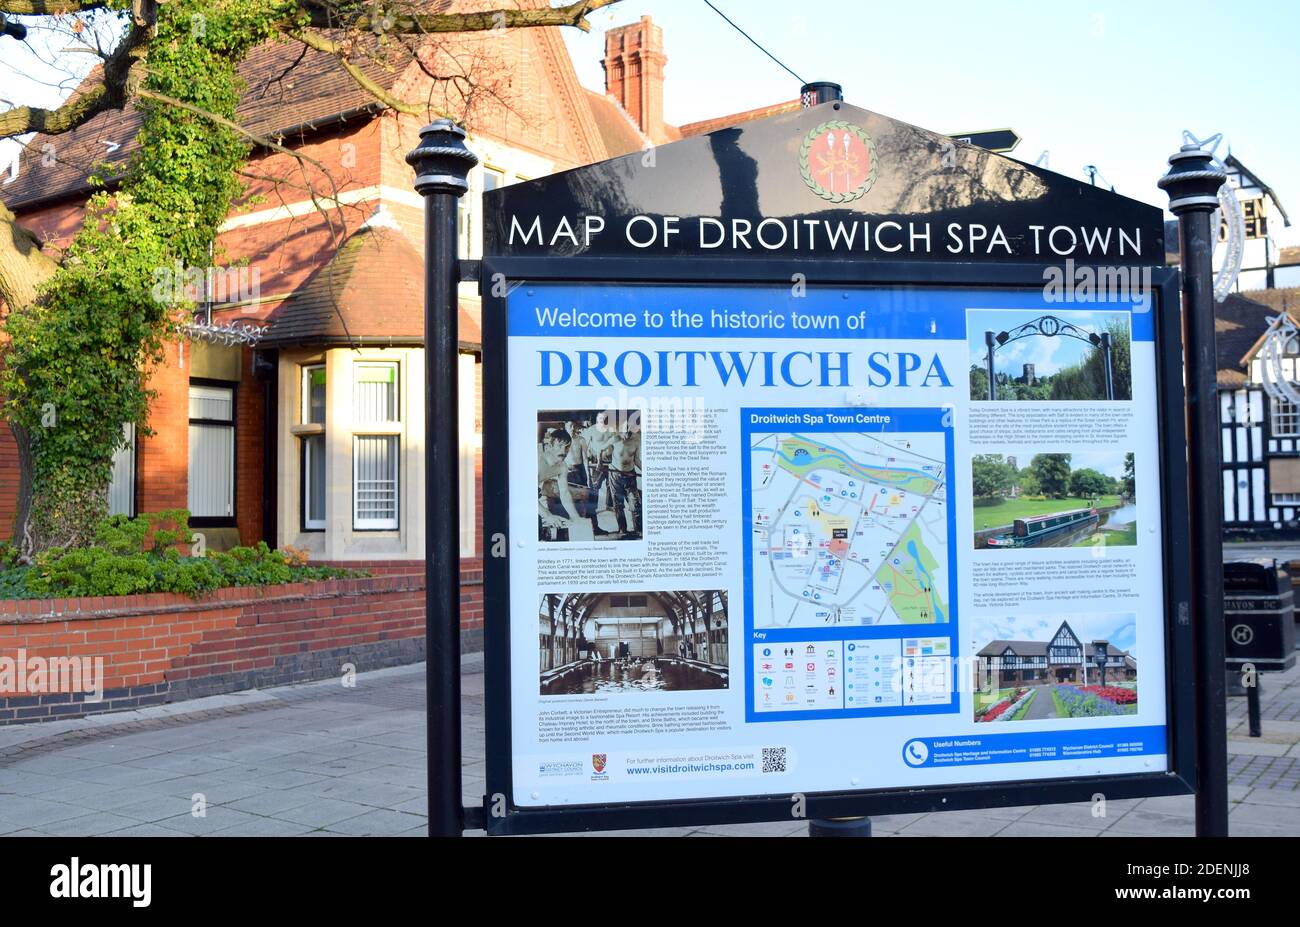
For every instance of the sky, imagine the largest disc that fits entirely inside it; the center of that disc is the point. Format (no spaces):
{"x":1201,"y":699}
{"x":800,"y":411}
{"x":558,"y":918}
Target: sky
{"x":1112,"y":84}
{"x":1048,"y":355}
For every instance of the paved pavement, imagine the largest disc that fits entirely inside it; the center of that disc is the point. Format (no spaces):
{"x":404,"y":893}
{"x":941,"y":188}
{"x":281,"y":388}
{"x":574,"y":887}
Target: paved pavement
{"x":322,"y":760}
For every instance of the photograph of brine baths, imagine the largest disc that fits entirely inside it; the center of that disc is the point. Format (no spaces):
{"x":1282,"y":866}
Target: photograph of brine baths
{"x":1059,"y":356}
{"x":1078,"y":499}
{"x":618,"y":643}
{"x":1035,"y":668}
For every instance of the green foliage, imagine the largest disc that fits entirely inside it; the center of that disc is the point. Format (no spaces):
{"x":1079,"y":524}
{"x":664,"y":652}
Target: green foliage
{"x":125,"y":561}
{"x":1053,"y":473}
{"x":1128,"y":485}
{"x":1087,"y":483}
{"x":991,"y":475}
{"x":73,"y":370}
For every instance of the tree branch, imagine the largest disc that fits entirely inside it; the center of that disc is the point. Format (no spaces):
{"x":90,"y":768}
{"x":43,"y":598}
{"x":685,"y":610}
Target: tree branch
{"x":112,"y":91}
{"x":321,"y":43}
{"x":326,"y":15}
{"x":49,"y":7}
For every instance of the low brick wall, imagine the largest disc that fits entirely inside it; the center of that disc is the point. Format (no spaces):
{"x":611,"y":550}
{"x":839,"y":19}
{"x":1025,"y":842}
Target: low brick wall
{"x":165,"y":648}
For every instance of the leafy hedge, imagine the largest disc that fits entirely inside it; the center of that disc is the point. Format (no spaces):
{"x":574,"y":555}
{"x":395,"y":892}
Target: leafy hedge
{"x":131,"y":556}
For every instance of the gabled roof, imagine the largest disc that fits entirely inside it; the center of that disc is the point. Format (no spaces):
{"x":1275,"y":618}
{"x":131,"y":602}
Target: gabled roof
{"x":1020,"y":648}
{"x":619,"y":132}
{"x":370,"y":292}
{"x":1232,"y":162}
{"x":281,"y":97}
{"x":1240,"y":322}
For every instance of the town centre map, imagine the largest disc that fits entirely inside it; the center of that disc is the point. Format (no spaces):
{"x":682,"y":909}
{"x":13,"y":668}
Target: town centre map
{"x":848,"y":528}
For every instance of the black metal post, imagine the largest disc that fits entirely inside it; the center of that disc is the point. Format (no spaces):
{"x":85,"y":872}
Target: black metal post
{"x":1106,"y":362}
{"x":840,"y":827}
{"x":988,"y":343}
{"x":1252,"y":707}
{"x":1192,"y":184}
{"x":442,"y":164}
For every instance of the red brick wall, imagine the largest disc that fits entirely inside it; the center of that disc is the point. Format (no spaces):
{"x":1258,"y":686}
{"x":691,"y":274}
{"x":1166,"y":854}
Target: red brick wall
{"x":163,"y":458}
{"x":249,"y":441}
{"x":8,"y":482}
{"x":158,"y":648}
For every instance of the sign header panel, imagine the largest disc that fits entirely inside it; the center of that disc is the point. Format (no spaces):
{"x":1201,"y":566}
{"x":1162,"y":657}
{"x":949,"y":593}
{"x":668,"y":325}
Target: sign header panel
{"x":822,"y":183}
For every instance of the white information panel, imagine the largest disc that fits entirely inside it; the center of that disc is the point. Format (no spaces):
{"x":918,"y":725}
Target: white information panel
{"x":819,"y":540}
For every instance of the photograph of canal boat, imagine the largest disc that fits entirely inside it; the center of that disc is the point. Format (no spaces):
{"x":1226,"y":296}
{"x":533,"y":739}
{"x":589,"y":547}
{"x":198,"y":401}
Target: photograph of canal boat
{"x":1057,"y":355}
{"x":1076,"y":499}
{"x":589,"y":475}
{"x":1037,"y":668}
{"x":617,"y":643}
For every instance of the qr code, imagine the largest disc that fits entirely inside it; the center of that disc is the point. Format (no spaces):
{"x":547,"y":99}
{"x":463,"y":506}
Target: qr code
{"x":774,"y":759}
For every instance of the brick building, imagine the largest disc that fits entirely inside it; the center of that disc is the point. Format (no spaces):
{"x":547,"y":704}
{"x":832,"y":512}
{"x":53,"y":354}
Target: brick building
{"x":307,"y":429}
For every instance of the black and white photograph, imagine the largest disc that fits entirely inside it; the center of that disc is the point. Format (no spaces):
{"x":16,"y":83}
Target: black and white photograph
{"x":628,"y":642}
{"x":589,"y":475}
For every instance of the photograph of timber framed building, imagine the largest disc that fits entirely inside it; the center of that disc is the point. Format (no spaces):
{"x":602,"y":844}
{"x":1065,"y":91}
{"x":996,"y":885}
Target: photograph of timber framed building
{"x":1063,"y":658}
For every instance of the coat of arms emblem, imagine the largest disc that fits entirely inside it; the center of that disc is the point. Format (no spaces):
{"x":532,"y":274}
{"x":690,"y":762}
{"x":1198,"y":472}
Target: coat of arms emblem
{"x":838,"y":161}
{"x":598,"y":762}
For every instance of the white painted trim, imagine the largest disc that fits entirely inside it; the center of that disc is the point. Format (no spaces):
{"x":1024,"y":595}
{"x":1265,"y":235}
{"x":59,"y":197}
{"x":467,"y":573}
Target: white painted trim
{"x":305,"y":207}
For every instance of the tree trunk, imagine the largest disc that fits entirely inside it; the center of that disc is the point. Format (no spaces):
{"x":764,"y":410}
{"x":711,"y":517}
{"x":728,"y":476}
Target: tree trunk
{"x":22,"y":536}
{"x":23,"y":266}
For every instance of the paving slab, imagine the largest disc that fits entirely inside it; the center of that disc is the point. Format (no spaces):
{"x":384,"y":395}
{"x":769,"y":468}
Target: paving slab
{"x":320,"y":760}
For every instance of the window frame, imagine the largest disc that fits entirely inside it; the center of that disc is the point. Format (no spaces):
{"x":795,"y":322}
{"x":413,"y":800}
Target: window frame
{"x":307,"y":431}
{"x":132,"y":448}
{"x":375,"y":524}
{"x":304,"y":390}
{"x":217,"y":521}
{"x":1276,"y":416}
{"x":377,"y":426}
{"x":306,"y":523}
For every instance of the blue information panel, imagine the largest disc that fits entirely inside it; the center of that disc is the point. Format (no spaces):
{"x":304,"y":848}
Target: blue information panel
{"x":822,"y":539}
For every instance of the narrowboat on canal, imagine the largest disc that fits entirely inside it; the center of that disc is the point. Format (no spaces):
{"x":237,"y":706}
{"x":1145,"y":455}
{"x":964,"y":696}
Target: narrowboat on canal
{"x":1029,"y":532}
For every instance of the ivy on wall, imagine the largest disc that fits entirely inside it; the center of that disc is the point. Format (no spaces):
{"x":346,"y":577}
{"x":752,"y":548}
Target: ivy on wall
{"x":73,"y":370}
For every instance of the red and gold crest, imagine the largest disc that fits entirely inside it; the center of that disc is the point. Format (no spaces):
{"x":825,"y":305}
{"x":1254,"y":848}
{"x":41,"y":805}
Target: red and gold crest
{"x":598,"y":762}
{"x":838,"y":161}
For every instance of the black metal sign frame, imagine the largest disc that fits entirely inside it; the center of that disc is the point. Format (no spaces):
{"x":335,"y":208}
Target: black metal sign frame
{"x":499,"y":812}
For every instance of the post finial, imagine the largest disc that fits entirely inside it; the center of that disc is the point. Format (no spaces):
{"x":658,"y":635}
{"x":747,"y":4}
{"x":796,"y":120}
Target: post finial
{"x":442,"y":161}
{"x":822,"y":91}
{"x":1193,"y":181}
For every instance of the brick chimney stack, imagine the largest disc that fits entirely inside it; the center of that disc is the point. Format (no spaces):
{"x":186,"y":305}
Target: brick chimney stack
{"x":634,"y":74}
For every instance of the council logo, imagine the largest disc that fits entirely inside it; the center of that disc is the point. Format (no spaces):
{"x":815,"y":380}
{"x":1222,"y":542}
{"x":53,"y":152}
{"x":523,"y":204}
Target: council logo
{"x":598,"y":761}
{"x":838,"y":161}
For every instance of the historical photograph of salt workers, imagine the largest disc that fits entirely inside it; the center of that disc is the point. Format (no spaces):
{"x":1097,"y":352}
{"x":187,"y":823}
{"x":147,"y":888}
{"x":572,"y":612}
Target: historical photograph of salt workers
{"x":629,"y":642}
{"x":589,"y":475}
